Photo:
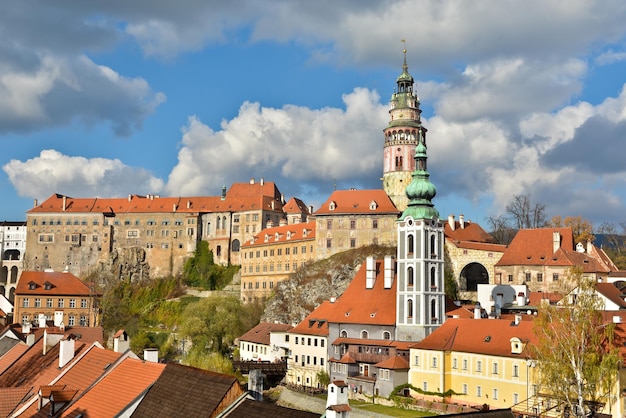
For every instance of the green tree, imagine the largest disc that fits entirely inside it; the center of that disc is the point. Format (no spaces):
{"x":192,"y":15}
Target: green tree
{"x":213,"y":323}
{"x":323,"y":378}
{"x":578,"y":360}
{"x":201,"y":271}
{"x":450,"y":286}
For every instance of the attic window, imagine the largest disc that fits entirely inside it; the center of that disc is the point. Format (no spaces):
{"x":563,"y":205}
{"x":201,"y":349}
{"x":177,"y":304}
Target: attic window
{"x":516,"y":345}
{"x":488,"y":338}
{"x":47,"y":285}
{"x":32,"y":286}
{"x":267,"y":237}
{"x":276,"y":236}
{"x":332,"y":206}
{"x":373,"y":205}
{"x":288,"y":234}
{"x":373,"y":314}
{"x":304,"y":232}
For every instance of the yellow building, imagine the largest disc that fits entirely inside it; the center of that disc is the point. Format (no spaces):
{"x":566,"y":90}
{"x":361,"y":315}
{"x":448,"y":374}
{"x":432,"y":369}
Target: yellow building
{"x":483,"y":361}
{"x":355,"y":218}
{"x":272,"y":255}
{"x":53,"y":296}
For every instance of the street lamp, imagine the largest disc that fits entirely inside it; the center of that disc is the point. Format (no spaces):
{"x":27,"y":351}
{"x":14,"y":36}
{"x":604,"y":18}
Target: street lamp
{"x":529,"y":364}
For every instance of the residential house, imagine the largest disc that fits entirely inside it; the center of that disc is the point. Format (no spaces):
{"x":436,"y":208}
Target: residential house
{"x":354,"y":218}
{"x":53,"y":296}
{"x":265,"y":342}
{"x":541,"y":258}
{"x":272,"y":255}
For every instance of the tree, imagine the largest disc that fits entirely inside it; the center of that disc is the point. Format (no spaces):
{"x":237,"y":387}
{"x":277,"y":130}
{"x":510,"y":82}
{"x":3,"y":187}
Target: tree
{"x":323,"y":378}
{"x":500,"y":229}
{"x":526,"y":213}
{"x":450,"y":286}
{"x":581,"y":227}
{"x":200,"y":270}
{"x":578,"y":360}
{"x":213,"y":323}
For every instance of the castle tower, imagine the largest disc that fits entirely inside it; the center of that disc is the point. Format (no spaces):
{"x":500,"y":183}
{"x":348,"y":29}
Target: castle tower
{"x":420,"y":300}
{"x":402,"y":135}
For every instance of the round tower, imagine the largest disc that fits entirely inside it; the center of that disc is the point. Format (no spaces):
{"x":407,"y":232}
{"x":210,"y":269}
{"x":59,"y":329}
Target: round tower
{"x":402,"y":135}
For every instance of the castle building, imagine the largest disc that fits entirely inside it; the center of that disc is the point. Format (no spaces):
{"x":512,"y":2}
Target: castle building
{"x":154,"y":233}
{"x":402,"y":135}
{"x":272,"y":255}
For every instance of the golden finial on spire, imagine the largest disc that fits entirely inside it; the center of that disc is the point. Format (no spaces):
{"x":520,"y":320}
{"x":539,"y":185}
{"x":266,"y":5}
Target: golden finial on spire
{"x":404,"y":45}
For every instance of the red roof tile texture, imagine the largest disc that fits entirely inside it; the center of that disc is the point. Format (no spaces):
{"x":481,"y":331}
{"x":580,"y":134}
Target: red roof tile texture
{"x":469,"y":232}
{"x":261,"y":333}
{"x":357,"y":202}
{"x":282,"y":234}
{"x":34,"y":283}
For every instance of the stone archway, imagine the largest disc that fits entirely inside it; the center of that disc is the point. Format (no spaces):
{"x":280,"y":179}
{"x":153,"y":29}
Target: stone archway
{"x":472,"y":275}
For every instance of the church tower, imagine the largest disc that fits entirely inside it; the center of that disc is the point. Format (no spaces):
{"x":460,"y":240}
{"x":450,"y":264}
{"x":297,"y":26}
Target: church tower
{"x":402,"y":135}
{"x":420,"y":297}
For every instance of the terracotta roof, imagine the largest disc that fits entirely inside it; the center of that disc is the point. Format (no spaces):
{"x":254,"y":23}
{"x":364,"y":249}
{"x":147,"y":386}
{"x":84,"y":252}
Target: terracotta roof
{"x":250,"y":408}
{"x":470,"y":232}
{"x":480,"y":246}
{"x":117,"y":389}
{"x":393,"y":363}
{"x":295,"y":205}
{"x":6,"y":344}
{"x":340,"y":408}
{"x":358,"y":202}
{"x":535,"y":298}
{"x":534,"y":247}
{"x":612,"y":293}
{"x":316,"y":323}
{"x":261,"y":333}
{"x":188,"y":392}
{"x":10,"y":397}
{"x":12,"y":355}
{"x":59,"y":284}
{"x":484,"y":336}
{"x":377,"y":343}
{"x":460,"y":312}
{"x":281,"y":234}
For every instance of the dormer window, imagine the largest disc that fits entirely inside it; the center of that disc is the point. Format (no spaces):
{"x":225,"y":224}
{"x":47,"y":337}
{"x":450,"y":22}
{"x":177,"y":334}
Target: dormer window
{"x":267,"y":237}
{"x":32,"y":286}
{"x":304,"y":232}
{"x":332,"y":206}
{"x":373,"y":205}
{"x":516,"y":345}
{"x":288,"y":234}
{"x":276,"y":236}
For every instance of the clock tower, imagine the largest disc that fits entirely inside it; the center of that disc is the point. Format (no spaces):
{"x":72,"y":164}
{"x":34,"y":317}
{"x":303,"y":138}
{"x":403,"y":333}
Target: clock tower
{"x":402,"y":135}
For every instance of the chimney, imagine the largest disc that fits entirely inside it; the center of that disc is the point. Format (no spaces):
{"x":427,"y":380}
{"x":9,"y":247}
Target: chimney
{"x":589,"y":247}
{"x":26,"y":328}
{"x":188,"y":204}
{"x":462,"y":221}
{"x":617,"y":319}
{"x":121,"y":343}
{"x":389,"y":269}
{"x":521,"y":299}
{"x":518,"y":319}
{"x":311,"y":209}
{"x":50,"y":340}
{"x":66,"y":350}
{"x":41,"y":320}
{"x":173,"y":207}
{"x":262,"y":181}
{"x":273,"y":205}
{"x":283,"y":222}
{"x":151,"y":355}
{"x":270,"y":224}
{"x":451,"y":221}
{"x":129,"y":197}
{"x":556,"y":241}
{"x":223,"y":197}
{"x":477,"y":311}
{"x":370,"y":272}
{"x":35,"y":203}
{"x":282,"y":198}
{"x":30,"y":339}
{"x":64,"y":203}
{"x":251,"y":180}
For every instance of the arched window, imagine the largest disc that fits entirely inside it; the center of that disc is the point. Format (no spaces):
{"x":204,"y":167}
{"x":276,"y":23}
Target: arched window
{"x":219,"y":223}
{"x":364,"y":334}
{"x":12,"y":295}
{"x":4,"y":274}
{"x":224,"y":222}
{"x":386,"y":335}
{"x":410,"y":279}
{"x":433,"y":247}
{"x":410,"y":244}
{"x":433,"y":311}
{"x":343,"y":334}
{"x":409,"y":308}
{"x":235,"y":245}
{"x":14,"y":274}
{"x":218,"y":250}
{"x":208,"y":228}
{"x":2,"y":290}
{"x":433,"y":278}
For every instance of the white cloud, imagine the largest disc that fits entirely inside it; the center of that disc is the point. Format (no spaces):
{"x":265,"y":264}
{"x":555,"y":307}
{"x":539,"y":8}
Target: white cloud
{"x":53,"y":172}
{"x":296,"y":143}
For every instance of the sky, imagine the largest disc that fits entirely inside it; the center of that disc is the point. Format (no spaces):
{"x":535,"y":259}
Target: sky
{"x":180,"y":98}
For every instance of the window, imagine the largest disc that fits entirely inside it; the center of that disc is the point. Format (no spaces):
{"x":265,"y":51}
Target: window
{"x":49,"y":303}
{"x":83,"y":303}
{"x":495,"y":368}
{"x":464,"y":364}
{"x":425,"y":386}
{"x":454,"y":363}
{"x":540,"y":277}
{"x":364,"y":334}
{"x":37,"y":303}
{"x":71,"y":320}
{"x":46,"y":238}
{"x":464,"y":389}
{"x":352,"y":242}
{"x":352,"y":224}
{"x":386,"y":335}
{"x":329,"y":224}
{"x":295,"y":250}
{"x":24,"y":319}
{"x":479,"y":391}
{"x":72,"y":303}
{"x":434,"y":363}
{"x":60,"y":303}
{"x":555,"y":277}
{"x":329,"y":243}
{"x":527,"y":277}
{"x":515,"y":398}
{"x":374,"y":223}
{"x":495,"y":394}
{"x":384,"y":374}
{"x":515,"y":370}
{"x":83,"y":321}
{"x":417,"y":360}
{"x":25,"y":303}
{"x":479,"y":366}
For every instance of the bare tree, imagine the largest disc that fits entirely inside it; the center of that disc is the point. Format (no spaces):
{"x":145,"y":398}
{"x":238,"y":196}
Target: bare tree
{"x":500,"y":229}
{"x":526,"y":213}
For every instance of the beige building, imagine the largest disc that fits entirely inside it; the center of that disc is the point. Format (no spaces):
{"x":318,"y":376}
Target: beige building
{"x":272,"y":255}
{"x":156,"y":234}
{"x":53,"y":296}
{"x":355,"y":218}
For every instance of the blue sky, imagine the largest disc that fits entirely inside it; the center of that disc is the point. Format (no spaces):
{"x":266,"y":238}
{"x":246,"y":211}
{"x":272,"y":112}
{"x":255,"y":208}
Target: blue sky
{"x":180,"y":98}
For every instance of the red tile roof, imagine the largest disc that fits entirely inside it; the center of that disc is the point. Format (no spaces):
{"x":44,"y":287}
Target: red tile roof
{"x":534,"y":247}
{"x":484,"y":336}
{"x":295,"y":205}
{"x":612,"y":293}
{"x":60,"y":284}
{"x":261,"y":333}
{"x":12,"y":355}
{"x":358,"y":202}
{"x":470,"y":232}
{"x":393,"y":363}
{"x":282,"y":234}
{"x":316,"y":323}
{"x":117,"y":389}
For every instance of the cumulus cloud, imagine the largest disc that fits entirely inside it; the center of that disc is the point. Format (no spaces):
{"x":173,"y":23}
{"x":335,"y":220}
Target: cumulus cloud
{"x":294,"y":143}
{"x":54,"y":172}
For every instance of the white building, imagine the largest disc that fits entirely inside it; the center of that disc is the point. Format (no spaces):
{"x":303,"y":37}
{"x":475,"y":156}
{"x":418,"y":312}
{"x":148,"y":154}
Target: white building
{"x":266,"y":342}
